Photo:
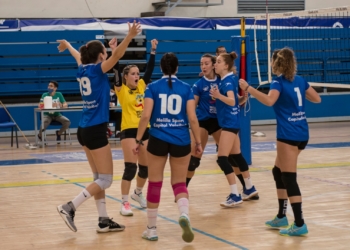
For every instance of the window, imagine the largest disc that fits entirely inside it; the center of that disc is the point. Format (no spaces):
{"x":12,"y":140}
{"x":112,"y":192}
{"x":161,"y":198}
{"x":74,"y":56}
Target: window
{"x":274,"y":6}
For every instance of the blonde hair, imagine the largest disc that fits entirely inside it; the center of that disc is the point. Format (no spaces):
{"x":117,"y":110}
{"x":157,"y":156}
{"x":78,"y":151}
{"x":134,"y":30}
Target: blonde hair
{"x":229,"y":59}
{"x":284,"y":62}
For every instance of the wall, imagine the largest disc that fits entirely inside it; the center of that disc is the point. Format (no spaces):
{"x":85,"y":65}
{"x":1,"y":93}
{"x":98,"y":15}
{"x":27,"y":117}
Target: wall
{"x":119,"y":8}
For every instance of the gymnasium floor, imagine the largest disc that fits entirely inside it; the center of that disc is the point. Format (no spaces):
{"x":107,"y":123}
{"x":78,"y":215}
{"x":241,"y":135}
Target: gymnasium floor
{"x":34,"y":182}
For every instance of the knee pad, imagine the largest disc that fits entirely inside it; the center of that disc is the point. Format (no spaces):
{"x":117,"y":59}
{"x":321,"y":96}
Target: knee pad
{"x":277,"y":175}
{"x":194,"y":163}
{"x":104,"y":181}
{"x":95,"y":176}
{"x":143,"y":172}
{"x":225,"y":165}
{"x":129,"y":171}
{"x":179,"y":188}
{"x":153,"y":191}
{"x":290,"y":182}
{"x":239,"y":162}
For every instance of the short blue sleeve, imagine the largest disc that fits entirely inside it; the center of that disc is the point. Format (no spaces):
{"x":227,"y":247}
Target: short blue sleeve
{"x":276,"y":85}
{"x":196,"y":88}
{"x":228,"y":87}
{"x":307,"y":85}
{"x":98,"y":69}
{"x":190,"y":94}
{"x":148,"y":92}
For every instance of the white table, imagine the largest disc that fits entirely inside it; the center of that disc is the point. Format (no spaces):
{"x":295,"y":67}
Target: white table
{"x":69,"y":109}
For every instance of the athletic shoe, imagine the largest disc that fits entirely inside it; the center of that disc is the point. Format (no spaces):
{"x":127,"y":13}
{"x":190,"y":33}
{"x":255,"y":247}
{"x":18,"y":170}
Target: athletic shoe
{"x":106,"y":225}
{"x":248,"y":193}
{"x":126,"y":209}
{"x":293,"y":230}
{"x":187,"y":233}
{"x":150,"y":234}
{"x":277,"y":223}
{"x":255,"y":197}
{"x":67,"y":213}
{"x":58,"y":137}
{"x":232,"y":200}
{"x":140,"y":199}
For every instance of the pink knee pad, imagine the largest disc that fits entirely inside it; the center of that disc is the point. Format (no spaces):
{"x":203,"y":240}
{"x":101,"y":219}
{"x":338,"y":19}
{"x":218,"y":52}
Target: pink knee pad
{"x":153,"y":192}
{"x":179,"y":188}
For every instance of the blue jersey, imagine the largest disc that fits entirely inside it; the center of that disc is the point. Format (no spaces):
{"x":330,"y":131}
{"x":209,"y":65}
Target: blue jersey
{"x":290,"y":108}
{"x":169,"y":117}
{"x":94,"y":88}
{"x":206,"y":107}
{"x":228,"y":116}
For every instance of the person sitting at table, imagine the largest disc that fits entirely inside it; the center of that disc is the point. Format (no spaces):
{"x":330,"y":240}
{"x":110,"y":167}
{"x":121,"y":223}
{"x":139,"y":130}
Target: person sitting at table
{"x":58,"y":101}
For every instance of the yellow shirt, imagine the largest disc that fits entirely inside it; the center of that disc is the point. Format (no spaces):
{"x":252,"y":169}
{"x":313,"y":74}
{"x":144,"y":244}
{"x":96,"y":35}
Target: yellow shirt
{"x":132,"y":102}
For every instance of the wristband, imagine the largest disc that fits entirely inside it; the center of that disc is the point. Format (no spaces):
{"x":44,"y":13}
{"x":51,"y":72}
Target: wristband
{"x":153,"y":50}
{"x":197,"y":144}
{"x":140,"y":142}
{"x":247,"y":88}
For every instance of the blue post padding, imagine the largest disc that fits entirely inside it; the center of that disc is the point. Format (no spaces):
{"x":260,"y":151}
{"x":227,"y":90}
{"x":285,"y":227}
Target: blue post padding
{"x":245,"y":117}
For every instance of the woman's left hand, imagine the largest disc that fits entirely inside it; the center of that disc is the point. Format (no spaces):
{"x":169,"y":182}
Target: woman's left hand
{"x":135,"y":148}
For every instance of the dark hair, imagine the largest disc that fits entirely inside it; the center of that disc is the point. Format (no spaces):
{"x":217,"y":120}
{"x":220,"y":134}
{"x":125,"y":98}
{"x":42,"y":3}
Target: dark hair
{"x":54,"y":83}
{"x":212,"y":58}
{"x":89,"y":53}
{"x":229,"y":59}
{"x":217,"y":49}
{"x":284,"y":62}
{"x":126,"y":71}
{"x":169,"y":64}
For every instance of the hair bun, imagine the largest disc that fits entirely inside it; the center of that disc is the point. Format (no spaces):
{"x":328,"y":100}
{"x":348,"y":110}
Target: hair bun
{"x":233,"y":55}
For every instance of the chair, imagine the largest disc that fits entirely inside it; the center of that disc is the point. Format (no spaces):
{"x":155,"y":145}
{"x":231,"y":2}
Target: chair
{"x":58,"y":124}
{"x":6,"y":122}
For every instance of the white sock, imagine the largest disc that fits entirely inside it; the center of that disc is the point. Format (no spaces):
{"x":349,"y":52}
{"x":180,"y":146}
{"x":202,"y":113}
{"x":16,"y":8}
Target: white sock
{"x":248,"y":183}
{"x":101,"y":207}
{"x":82,"y":197}
{"x":152,"y":217}
{"x":125,"y":198}
{"x":234,"y":189}
{"x":183,"y":205}
{"x":138,"y":190}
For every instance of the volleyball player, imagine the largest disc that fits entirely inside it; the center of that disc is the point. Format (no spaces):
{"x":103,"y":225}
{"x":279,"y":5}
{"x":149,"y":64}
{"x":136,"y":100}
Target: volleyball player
{"x":130,"y":94}
{"x":287,"y":96}
{"x":94,"y":87}
{"x":170,"y":106}
{"x":227,"y":105}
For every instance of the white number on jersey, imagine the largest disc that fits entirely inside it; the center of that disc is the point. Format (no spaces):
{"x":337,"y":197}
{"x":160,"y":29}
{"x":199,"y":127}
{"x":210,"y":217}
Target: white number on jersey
{"x":300,"y":101}
{"x":85,"y":86}
{"x":167,"y":104}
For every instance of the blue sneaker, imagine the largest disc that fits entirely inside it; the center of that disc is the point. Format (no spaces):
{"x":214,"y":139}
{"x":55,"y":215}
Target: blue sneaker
{"x":249,"y":193}
{"x":232,"y":200}
{"x":293,"y":230}
{"x":277,"y":223}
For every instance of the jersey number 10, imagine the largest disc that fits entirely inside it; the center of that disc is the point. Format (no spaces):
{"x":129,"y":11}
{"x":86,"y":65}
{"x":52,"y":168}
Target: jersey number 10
{"x":167,"y":104}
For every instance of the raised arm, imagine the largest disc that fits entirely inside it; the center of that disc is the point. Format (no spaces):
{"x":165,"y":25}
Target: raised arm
{"x":117,"y":80}
{"x":151,"y":62}
{"x":118,"y":51}
{"x":268,"y":100}
{"x":63,"y":45}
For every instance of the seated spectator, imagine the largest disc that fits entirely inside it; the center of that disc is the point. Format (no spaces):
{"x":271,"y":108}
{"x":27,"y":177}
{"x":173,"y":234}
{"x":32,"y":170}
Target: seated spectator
{"x":58,"y":101}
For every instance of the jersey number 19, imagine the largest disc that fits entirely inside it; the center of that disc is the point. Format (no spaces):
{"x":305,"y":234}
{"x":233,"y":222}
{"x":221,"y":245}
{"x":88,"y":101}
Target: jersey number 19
{"x":85,"y":86}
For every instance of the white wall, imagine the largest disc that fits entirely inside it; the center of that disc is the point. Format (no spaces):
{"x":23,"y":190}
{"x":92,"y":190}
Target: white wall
{"x":125,"y":8}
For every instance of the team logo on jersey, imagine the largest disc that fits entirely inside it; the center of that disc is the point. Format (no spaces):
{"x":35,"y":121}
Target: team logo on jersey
{"x":139,"y":100}
{"x":206,"y":88}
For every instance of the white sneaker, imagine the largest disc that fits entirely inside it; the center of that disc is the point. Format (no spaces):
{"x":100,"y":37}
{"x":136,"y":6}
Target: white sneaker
{"x":150,"y":234}
{"x":140,"y":199}
{"x":126,"y":209}
{"x":187,"y":233}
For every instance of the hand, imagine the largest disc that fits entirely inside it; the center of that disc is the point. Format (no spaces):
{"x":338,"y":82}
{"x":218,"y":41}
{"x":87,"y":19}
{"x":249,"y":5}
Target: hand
{"x":154,"y":43}
{"x":214,"y":92}
{"x":199,"y":149}
{"x":63,"y":45}
{"x":134,"y":29}
{"x":113,"y":43}
{"x":243,"y":84}
{"x":135,"y":148}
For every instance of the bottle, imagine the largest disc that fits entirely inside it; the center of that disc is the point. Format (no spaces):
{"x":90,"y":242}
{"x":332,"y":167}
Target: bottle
{"x":41,"y":104}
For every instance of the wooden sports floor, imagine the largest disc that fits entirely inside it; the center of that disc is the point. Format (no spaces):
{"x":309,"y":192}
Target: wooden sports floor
{"x":34,"y":182}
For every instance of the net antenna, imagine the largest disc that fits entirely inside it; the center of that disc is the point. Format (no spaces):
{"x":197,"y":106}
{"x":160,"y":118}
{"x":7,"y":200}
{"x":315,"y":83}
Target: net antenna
{"x":320,"y":39}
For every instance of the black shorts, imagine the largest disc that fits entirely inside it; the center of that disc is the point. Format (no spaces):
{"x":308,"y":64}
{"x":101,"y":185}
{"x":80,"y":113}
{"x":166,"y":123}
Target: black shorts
{"x":300,"y":144}
{"x":132,"y":132}
{"x":162,"y":148}
{"x":232,"y":130}
{"x":211,"y":125}
{"x":93,"y":137}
